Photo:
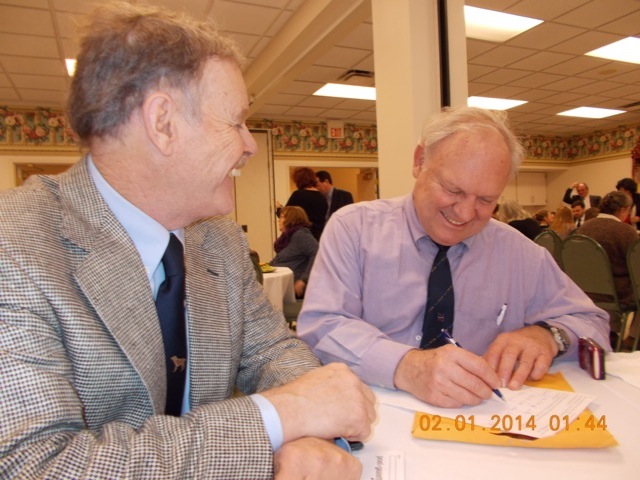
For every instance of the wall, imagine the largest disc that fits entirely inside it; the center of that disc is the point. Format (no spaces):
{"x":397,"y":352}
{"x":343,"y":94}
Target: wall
{"x":601,"y":175}
{"x":8,"y":161}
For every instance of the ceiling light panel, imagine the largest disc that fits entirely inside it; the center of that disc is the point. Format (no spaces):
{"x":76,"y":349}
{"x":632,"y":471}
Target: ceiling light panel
{"x":493,"y":26}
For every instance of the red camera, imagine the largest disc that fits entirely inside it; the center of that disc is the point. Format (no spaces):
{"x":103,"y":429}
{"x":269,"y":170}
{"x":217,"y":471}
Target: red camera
{"x":591,"y":356}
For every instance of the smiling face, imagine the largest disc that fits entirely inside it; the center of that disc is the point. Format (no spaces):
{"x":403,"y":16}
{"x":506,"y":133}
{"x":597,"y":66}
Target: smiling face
{"x":459,"y":184}
{"x":216,"y":143}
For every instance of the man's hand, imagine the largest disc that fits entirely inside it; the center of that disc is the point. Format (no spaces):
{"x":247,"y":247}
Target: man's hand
{"x":521,"y":354}
{"x":299,"y":287}
{"x":446,"y":377}
{"x":327,"y":402}
{"x":314,"y":459}
{"x":575,"y":185}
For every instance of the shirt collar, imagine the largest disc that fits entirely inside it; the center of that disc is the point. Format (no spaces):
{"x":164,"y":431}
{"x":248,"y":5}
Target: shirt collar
{"x":417,"y":231}
{"x":606,"y":215}
{"x":149,"y":237}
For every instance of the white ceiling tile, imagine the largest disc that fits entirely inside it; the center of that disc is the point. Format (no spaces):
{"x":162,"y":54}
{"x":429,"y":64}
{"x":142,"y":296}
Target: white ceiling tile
{"x":592,"y":14}
{"x":541,"y":60}
{"x":361,"y":37}
{"x":503,"y":56}
{"x":502,"y":76}
{"x":544,"y":9}
{"x":474,"y":72}
{"x":36,"y":66}
{"x":545,"y":35}
{"x":36,"y":81}
{"x":26,"y":21}
{"x":537,"y":80}
{"x":243,"y":18}
{"x":28,"y":45}
{"x":585,"y":42}
{"x":8,"y":95}
{"x":342,"y":57}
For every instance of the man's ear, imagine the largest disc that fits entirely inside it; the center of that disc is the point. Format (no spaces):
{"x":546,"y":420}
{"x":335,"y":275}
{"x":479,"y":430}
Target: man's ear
{"x":159,"y":117}
{"x":418,"y":160}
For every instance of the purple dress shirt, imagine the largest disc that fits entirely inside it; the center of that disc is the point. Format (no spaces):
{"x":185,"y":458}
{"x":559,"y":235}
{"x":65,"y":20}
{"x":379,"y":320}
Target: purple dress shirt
{"x":366,"y":296}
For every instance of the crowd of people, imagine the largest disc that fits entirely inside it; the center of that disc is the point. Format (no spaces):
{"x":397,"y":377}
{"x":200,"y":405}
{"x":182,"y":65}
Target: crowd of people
{"x":111,"y":268}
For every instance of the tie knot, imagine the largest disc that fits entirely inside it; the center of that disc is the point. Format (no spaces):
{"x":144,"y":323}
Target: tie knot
{"x":442,"y":249}
{"x":173,"y":258}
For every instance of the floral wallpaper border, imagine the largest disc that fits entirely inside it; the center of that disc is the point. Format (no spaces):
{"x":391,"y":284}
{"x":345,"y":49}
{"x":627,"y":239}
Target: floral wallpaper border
{"x":43,"y":127}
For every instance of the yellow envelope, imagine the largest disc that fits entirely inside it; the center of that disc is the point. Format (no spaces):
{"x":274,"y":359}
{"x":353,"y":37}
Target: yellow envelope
{"x":586,"y":431}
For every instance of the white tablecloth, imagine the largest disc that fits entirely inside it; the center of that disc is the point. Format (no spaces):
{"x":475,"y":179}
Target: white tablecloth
{"x":279,"y":286}
{"x":427,"y":459}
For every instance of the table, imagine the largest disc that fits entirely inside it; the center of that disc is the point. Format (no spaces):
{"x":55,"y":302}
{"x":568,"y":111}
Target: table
{"x":279,"y":286}
{"x":427,"y":459}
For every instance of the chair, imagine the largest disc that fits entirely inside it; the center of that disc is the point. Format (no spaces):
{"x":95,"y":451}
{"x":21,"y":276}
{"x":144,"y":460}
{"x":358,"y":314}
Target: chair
{"x":587,"y":264}
{"x":552,"y":242}
{"x":291,"y":310}
{"x":633,"y":264}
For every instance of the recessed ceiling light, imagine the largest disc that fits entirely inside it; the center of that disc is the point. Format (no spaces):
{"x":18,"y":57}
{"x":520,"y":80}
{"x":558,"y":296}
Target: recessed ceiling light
{"x":493,"y":103}
{"x":625,"y":50}
{"x":71,"y":66}
{"x":495,"y":26}
{"x":346,"y":91}
{"x":591,"y":112}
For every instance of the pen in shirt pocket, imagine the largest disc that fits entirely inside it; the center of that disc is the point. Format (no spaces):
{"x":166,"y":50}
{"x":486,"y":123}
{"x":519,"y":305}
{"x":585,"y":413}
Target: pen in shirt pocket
{"x":501,"y":314}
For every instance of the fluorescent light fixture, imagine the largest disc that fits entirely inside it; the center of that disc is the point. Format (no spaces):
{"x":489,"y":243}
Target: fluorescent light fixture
{"x":625,"y":50}
{"x":495,"y":26}
{"x":346,"y":91}
{"x":591,"y":112}
{"x":71,"y":66}
{"x":493,"y":103}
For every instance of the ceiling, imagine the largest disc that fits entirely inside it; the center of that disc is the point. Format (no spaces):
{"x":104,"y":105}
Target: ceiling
{"x":295,"y":46}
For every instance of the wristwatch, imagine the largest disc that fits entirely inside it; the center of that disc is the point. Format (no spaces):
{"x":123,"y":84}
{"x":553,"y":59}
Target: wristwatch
{"x":559,"y":336}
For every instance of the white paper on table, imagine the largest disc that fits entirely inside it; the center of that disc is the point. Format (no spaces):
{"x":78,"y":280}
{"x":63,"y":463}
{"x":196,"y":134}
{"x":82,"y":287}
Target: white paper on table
{"x":528,"y":403}
{"x":625,"y":366}
{"x":382,"y":466}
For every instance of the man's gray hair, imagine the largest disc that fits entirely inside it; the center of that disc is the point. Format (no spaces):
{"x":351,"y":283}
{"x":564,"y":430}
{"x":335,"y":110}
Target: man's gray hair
{"x":452,"y":120}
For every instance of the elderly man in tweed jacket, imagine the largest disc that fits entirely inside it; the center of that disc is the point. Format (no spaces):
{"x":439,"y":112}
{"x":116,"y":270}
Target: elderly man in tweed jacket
{"x":160,"y":102}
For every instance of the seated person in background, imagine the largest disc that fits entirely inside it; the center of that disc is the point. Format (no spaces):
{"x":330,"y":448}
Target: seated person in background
{"x":563,"y":223}
{"x":591,"y":213}
{"x":97,"y":380}
{"x":578,"y":209}
{"x":629,"y":187}
{"x":373,"y":303}
{"x":582,"y":193}
{"x":517,"y":217}
{"x":312,"y":201}
{"x":296,"y":247}
{"x":615,"y":236}
{"x":544,"y":218}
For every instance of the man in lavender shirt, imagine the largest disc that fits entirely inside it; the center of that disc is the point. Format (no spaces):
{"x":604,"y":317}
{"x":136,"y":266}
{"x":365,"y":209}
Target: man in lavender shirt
{"x":366,"y":297}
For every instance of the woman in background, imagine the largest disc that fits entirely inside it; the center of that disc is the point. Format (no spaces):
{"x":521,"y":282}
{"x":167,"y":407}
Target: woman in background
{"x":514,"y":215}
{"x":296,"y":247}
{"x":563,"y":224}
{"x":312,"y":201}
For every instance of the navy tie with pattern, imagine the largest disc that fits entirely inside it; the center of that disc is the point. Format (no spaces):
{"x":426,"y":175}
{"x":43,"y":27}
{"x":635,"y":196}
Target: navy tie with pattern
{"x":170,"y":306}
{"x":439,"y":312}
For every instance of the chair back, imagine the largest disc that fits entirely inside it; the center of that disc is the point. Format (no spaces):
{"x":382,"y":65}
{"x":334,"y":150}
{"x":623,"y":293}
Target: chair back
{"x":633,"y":265}
{"x":552,"y":242}
{"x":587,"y":264}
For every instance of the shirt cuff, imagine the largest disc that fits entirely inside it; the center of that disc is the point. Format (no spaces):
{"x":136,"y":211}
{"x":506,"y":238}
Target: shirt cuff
{"x":271,"y":420}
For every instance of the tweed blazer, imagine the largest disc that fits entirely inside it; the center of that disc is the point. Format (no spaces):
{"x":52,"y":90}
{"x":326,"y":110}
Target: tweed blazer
{"x":81,"y":354}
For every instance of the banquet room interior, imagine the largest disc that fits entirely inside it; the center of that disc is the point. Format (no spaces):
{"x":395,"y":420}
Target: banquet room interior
{"x":294,"y":47}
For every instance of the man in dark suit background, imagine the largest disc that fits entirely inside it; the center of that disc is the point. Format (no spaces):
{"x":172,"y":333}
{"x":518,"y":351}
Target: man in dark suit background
{"x":582,"y":190}
{"x":336,"y":198}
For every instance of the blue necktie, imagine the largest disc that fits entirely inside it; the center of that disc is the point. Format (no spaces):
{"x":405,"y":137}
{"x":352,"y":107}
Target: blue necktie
{"x":170,"y":306}
{"x":439,"y":312}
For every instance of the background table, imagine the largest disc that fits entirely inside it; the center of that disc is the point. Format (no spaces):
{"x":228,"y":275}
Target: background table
{"x":279,"y":286}
{"x":427,"y":459}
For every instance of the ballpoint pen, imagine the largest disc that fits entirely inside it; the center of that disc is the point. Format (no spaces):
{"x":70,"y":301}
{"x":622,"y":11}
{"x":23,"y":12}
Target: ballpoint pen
{"x":501,"y":313}
{"x":449,"y":339}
